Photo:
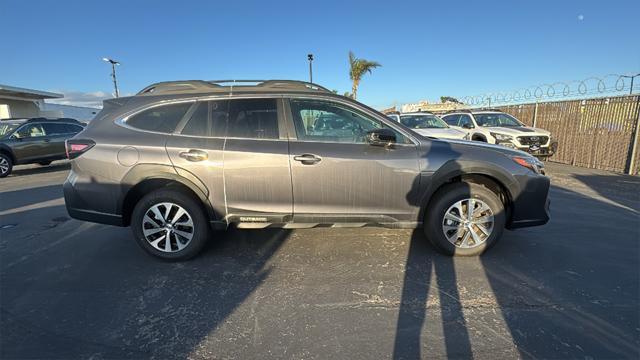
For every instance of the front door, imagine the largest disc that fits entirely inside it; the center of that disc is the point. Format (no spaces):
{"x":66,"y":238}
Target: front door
{"x":30,"y":143}
{"x":336,"y":173}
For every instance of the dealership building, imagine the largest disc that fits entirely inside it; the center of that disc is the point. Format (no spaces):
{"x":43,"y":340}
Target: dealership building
{"x":16,"y":102}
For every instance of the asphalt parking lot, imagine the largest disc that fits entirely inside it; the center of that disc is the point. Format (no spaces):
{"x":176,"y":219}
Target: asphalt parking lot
{"x":570,"y":289}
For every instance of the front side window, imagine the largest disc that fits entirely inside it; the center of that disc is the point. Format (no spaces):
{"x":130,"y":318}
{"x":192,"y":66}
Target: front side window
{"x":451,"y":120}
{"x":253,"y":119}
{"x":422,"y":122}
{"x":496,"y":119}
{"x":465,"y":120}
{"x":30,"y":131}
{"x":160,"y":118}
{"x":324,"y":121}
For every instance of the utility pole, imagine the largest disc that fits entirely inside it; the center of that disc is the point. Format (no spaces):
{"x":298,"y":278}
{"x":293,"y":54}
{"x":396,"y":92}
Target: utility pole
{"x":113,"y":73}
{"x":632,"y":77}
{"x":310,"y":58}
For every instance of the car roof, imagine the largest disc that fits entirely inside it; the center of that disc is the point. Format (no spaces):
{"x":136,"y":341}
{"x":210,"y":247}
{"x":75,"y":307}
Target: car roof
{"x":418,"y":113}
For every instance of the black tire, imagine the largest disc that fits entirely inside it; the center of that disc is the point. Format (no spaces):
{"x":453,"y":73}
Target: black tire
{"x":449,"y":195}
{"x":194,"y":210}
{"x":7,"y":163}
{"x":44,"y":163}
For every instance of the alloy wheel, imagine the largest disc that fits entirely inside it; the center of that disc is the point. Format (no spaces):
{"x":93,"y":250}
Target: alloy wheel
{"x":468,"y":223}
{"x":168,"y":227}
{"x":4,"y":165}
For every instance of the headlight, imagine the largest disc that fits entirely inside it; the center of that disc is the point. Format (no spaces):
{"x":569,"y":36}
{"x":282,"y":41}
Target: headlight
{"x":501,"y":137}
{"x":530,"y":163}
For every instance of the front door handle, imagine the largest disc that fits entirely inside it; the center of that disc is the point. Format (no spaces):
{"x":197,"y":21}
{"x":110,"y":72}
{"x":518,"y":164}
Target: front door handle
{"x":307,"y":159}
{"x":194,"y":155}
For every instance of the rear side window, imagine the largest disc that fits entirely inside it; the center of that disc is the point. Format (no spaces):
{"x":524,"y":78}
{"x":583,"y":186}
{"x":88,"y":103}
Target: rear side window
{"x":61,"y":129}
{"x":209,"y":119}
{"x":253,"y":119}
{"x":161,"y":118}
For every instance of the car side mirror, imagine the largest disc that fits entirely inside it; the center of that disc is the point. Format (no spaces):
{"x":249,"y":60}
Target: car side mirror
{"x":467,"y":126}
{"x":381,"y":137}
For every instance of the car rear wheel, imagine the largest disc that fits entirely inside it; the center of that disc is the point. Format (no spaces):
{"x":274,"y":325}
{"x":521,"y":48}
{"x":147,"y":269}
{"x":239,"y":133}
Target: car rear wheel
{"x":464,"y":219}
{"x":170,"y":225}
{"x":6,"y":165}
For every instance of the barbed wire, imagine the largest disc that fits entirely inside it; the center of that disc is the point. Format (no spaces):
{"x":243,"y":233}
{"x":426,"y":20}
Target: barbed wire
{"x":608,"y":84}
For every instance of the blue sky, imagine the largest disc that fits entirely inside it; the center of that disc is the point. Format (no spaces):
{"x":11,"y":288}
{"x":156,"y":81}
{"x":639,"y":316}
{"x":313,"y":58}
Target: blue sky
{"x":427,"y":48}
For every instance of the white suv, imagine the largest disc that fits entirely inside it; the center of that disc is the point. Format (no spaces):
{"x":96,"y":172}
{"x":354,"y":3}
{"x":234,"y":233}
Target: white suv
{"x":496,"y":127}
{"x":428,"y":124}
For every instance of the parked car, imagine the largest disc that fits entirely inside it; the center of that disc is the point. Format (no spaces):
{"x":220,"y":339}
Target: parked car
{"x":180,"y":159}
{"x":36,"y":140}
{"x":497,"y":127}
{"x":428,"y":124}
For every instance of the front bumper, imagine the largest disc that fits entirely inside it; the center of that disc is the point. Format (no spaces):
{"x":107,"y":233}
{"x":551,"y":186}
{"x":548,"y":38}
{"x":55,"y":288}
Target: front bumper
{"x":531,"y":206}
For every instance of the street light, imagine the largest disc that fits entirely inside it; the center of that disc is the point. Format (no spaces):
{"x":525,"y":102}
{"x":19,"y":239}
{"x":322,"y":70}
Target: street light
{"x":113,"y":73}
{"x":630,"y":77}
{"x":310,"y":58}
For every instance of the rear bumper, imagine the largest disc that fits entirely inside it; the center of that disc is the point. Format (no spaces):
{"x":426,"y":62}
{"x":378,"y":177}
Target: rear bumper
{"x":77,"y":208}
{"x":532,"y":206}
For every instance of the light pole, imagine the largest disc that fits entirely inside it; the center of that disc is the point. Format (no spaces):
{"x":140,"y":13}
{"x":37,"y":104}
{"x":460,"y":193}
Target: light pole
{"x":113,"y":73}
{"x":630,"y":77}
{"x":310,"y":58}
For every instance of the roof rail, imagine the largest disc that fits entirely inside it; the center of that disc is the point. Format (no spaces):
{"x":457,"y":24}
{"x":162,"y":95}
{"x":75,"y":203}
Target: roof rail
{"x":201,"y":85}
{"x":183,"y":85}
{"x":40,"y":119}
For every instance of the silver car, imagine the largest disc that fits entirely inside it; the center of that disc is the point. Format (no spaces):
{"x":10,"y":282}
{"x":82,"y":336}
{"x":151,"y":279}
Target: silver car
{"x":181,"y":159}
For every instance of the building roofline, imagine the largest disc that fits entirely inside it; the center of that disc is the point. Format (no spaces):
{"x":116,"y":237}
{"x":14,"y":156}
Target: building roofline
{"x":28,"y":93}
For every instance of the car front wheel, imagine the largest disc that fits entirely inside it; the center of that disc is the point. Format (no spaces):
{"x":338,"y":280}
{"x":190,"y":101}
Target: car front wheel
{"x":5,"y":165}
{"x":464,"y":219}
{"x":170,"y":225}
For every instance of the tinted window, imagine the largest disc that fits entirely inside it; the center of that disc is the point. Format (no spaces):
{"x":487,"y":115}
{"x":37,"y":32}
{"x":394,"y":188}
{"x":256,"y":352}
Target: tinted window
{"x":253,"y":119}
{"x":451,"y":120}
{"x":60,"y":129}
{"x":199,"y":122}
{"x":465,"y":119}
{"x":332,"y":122}
{"x":160,"y":118}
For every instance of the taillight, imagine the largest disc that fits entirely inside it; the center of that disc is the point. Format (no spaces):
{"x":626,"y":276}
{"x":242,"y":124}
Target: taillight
{"x":77,"y":147}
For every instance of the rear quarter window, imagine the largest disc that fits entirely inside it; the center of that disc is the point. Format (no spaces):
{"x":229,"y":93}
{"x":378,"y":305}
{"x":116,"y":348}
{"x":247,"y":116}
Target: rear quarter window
{"x":160,"y":118}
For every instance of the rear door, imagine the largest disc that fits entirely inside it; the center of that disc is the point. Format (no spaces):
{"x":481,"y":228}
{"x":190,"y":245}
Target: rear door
{"x":257,"y":177}
{"x":195,"y":149}
{"x":57,"y":133}
{"x":338,"y":177}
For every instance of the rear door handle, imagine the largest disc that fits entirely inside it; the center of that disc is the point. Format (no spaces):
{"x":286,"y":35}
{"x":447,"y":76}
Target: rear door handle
{"x":194,"y":155}
{"x":307,"y":159}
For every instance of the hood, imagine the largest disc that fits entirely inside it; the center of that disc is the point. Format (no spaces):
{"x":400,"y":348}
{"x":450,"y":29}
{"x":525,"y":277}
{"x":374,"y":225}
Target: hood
{"x":446,"y":133}
{"x":518,"y":130}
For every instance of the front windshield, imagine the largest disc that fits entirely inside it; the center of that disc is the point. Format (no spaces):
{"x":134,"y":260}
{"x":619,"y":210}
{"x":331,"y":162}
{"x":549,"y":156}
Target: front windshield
{"x":496,"y":119}
{"x":7,"y":128}
{"x":423,"y":122}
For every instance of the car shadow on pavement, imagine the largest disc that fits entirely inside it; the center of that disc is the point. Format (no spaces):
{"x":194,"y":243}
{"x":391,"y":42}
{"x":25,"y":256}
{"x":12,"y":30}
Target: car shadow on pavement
{"x":13,"y":200}
{"x":81,"y":290}
{"x":19,"y":170}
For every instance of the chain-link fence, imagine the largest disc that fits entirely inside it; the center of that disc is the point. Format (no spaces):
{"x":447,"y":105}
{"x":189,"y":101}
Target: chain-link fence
{"x":599,"y":133}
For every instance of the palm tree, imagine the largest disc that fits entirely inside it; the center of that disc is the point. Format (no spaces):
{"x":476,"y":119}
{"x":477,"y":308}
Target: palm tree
{"x":357,"y":69}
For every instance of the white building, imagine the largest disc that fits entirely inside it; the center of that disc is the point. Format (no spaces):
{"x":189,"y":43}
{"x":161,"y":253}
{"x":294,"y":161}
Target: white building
{"x":18,"y":102}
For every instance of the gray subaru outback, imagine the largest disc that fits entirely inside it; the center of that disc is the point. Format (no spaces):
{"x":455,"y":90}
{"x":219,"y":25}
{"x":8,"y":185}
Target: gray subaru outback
{"x":181,"y":159}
